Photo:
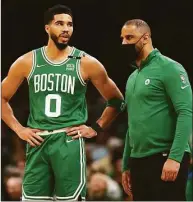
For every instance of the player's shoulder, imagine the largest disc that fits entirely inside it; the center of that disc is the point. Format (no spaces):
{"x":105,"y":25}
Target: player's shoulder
{"x":23,"y":63}
{"x":87,"y":59}
{"x":30,"y":54}
{"x":90,"y":60}
{"x":26,"y":58}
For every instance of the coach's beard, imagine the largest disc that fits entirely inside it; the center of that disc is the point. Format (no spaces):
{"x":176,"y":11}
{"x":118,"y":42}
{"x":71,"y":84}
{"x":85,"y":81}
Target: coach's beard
{"x":129,"y":52}
{"x":60,"y":46}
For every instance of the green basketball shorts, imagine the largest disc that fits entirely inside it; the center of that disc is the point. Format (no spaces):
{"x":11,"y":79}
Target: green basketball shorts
{"x":55,"y":169}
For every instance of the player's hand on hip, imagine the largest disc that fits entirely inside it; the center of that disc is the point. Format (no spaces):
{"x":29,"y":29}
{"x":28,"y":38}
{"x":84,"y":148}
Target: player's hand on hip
{"x":81,"y":131}
{"x":30,"y":136}
{"x":170,"y":170}
{"x":126,"y":183}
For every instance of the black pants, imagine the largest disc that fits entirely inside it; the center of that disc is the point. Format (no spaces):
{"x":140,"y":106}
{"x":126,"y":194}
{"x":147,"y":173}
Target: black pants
{"x":146,"y":179}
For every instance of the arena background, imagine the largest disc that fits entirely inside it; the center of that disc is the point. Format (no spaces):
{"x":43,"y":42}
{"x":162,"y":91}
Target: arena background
{"x":97,"y":26}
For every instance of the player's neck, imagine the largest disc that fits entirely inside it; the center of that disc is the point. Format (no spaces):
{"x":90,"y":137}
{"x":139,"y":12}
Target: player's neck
{"x":144,"y":54}
{"x":53,"y":52}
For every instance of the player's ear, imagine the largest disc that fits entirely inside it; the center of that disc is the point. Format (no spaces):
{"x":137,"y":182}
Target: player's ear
{"x":47,"y":28}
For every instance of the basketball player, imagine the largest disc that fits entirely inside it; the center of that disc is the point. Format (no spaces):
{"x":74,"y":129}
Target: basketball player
{"x":57,"y":76}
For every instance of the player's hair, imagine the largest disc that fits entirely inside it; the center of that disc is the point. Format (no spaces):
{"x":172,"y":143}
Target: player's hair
{"x":140,"y":24}
{"x":57,"y":9}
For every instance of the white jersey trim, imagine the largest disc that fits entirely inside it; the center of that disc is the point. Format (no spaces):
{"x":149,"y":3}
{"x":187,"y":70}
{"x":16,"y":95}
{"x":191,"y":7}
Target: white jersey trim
{"x":78,"y":64}
{"x":82,"y":175}
{"x":33,"y":65}
{"x":55,"y":63}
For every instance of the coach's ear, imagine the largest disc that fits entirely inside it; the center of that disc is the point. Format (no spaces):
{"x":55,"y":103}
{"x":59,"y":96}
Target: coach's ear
{"x":146,"y":38}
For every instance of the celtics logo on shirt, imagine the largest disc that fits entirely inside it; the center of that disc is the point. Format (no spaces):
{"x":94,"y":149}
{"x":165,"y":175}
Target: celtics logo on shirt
{"x":183,"y":79}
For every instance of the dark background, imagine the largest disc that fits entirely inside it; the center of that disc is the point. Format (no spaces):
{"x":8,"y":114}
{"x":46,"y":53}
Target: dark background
{"x":97,"y":25}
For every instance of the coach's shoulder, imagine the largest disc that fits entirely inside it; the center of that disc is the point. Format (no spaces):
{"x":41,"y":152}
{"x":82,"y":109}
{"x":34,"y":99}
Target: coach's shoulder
{"x":170,"y":66}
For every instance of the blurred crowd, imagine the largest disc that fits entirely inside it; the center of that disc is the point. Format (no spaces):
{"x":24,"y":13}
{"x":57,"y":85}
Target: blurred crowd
{"x":104,"y":158}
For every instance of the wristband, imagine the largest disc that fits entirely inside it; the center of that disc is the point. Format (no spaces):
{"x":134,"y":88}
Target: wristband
{"x":116,"y":103}
{"x":96,"y":127}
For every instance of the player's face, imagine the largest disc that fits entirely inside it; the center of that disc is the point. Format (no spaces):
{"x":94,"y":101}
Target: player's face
{"x":60,"y":29}
{"x":130,"y":35}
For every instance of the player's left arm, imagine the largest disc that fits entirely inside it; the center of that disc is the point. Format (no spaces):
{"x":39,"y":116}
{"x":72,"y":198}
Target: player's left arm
{"x":179,"y":90}
{"x":108,"y":89}
{"x":94,"y":71}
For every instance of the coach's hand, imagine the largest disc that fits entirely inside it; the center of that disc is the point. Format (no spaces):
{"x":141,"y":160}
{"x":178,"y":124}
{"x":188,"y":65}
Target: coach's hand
{"x":30,"y":136}
{"x":81,"y":131}
{"x":126,"y":183}
{"x":170,"y":170}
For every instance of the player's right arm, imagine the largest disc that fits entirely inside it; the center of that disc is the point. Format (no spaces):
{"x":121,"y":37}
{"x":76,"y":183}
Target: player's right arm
{"x":19,"y":70}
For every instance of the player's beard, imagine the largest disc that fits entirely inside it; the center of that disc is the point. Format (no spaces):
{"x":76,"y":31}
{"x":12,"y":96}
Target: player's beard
{"x":60,"y":46}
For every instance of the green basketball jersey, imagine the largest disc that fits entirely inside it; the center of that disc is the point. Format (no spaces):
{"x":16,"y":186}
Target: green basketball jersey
{"x":56,"y":92}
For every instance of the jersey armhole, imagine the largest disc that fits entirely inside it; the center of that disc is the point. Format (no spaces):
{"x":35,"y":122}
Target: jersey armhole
{"x":78,"y":69}
{"x":33,"y":65}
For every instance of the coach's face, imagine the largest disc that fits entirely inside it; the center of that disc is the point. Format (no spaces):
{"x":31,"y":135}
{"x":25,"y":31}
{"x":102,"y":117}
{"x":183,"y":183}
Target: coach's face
{"x":60,"y":29}
{"x":131,"y":35}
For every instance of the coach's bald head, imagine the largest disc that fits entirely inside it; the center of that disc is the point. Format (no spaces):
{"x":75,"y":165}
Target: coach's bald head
{"x":139,"y":25}
{"x":134,"y":30}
